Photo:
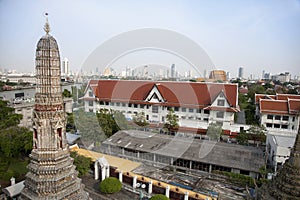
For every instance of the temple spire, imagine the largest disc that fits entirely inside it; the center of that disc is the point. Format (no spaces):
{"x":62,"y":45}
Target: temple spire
{"x":47,"y":26}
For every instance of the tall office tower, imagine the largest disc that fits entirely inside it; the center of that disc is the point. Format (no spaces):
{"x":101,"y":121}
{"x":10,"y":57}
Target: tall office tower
{"x":241,"y":72}
{"x":228,"y":75}
{"x":173,"y":73}
{"x":145,"y":71}
{"x":51,"y":173}
{"x":205,"y":73}
{"x":263,"y":74}
{"x":66,"y":67}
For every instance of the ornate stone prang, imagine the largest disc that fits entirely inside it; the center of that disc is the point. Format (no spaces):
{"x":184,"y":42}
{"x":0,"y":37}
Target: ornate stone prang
{"x":51,"y":173}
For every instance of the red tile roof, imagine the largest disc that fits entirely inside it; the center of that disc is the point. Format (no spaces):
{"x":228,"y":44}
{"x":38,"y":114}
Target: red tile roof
{"x":274,"y":106}
{"x":294,"y":106}
{"x":263,"y":96}
{"x":287,"y":96}
{"x":278,"y":104}
{"x":184,"y":94}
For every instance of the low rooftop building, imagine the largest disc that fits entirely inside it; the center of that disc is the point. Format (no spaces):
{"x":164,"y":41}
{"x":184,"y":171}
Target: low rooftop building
{"x":185,"y":153}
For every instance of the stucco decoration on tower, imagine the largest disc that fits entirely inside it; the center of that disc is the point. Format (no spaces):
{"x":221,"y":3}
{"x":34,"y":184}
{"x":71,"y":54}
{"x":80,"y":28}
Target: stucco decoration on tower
{"x":51,"y":173}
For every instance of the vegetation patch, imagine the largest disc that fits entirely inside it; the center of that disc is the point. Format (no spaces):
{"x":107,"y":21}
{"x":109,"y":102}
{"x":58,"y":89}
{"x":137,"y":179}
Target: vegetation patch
{"x":159,"y":197}
{"x":110,"y":185}
{"x":82,"y":163}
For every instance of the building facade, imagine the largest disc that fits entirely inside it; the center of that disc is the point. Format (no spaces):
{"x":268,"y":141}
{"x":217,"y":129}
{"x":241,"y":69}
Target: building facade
{"x":196,"y":104}
{"x":51,"y":173}
{"x":280,"y":115}
{"x":184,"y":153}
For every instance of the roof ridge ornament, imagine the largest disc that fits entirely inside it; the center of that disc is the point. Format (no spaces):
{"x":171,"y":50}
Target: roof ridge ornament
{"x":47,"y":26}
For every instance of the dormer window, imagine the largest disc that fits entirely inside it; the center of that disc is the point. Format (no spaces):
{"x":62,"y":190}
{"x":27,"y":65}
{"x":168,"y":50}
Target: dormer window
{"x":221,"y":102}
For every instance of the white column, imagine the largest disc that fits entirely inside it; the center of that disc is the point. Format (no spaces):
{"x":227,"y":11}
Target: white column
{"x":107,"y":171}
{"x":150,"y":187}
{"x":96,"y":171}
{"x":168,"y":191}
{"x":103,"y":173}
{"x":12,"y":181}
{"x":186,"y":196}
{"x":134,"y":181}
{"x":121,"y":176}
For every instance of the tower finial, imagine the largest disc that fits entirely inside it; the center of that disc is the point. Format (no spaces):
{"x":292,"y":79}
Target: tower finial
{"x":47,"y":26}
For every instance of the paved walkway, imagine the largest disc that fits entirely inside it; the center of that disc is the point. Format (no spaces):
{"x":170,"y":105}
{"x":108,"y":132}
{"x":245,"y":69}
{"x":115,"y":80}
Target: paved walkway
{"x":123,"y":165}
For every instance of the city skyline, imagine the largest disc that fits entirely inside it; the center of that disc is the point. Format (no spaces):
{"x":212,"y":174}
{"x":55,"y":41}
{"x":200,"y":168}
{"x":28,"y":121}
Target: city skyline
{"x":255,"y":35}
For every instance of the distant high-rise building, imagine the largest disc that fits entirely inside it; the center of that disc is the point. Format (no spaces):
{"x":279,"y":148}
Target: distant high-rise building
{"x":282,"y":77}
{"x":228,"y":75}
{"x":173,"y":73}
{"x":241,"y":72}
{"x":205,"y":73}
{"x":51,"y":173}
{"x":145,"y":71}
{"x":66,"y":67}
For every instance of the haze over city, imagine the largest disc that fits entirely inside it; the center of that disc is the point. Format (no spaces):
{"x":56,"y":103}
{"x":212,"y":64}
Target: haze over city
{"x":253,"y":34}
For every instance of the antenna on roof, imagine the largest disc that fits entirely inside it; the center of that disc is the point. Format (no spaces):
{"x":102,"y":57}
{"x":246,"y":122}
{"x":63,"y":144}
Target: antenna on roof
{"x":47,"y":26}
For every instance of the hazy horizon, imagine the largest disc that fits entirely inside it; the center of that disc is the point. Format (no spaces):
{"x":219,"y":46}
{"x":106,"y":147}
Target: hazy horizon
{"x":258,"y":35}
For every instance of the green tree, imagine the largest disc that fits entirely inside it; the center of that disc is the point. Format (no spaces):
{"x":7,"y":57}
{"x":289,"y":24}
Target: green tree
{"x":214,"y":131}
{"x":242,"y":138}
{"x":171,"y":121}
{"x":8,"y":117}
{"x":66,"y":93}
{"x":140,"y":120}
{"x":159,"y":197}
{"x":82,"y":163}
{"x":88,"y":126}
{"x":81,"y":91}
{"x":257,"y":133}
{"x":108,"y":121}
{"x":70,"y":127}
{"x":120,"y":120}
{"x":250,"y":109}
{"x":74,"y":92}
{"x":110,"y":185}
{"x":15,"y":143}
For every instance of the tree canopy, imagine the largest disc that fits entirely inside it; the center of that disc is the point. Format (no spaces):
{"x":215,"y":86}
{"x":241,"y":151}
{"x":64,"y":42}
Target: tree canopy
{"x":214,"y":131}
{"x":110,"y":185}
{"x":140,"y":119}
{"x":82,"y":163}
{"x":8,"y":117}
{"x":171,"y":121}
{"x":66,"y":93}
{"x":257,"y":133}
{"x":15,"y":143}
{"x":159,"y":197}
{"x":88,"y":125}
{"x":111,"y":121}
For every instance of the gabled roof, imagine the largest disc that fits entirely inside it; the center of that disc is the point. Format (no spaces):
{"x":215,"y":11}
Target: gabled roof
{"x":273,"y":107}
{"x":287,"y":96}
{"x":263,"y":96}
{"x":278,"y":104}
{"x":14,"y":190}
{"x":294,"y":106}
{"x":188,"y":94}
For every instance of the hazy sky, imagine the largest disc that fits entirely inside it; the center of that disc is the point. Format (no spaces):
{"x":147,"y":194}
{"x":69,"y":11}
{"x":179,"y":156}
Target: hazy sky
{"x":254,"y":34}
